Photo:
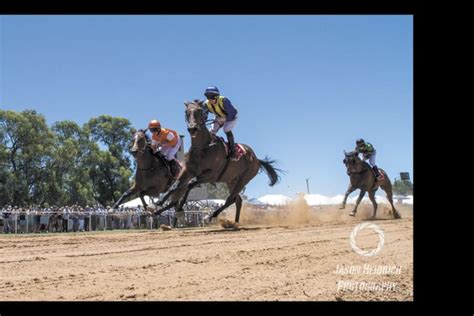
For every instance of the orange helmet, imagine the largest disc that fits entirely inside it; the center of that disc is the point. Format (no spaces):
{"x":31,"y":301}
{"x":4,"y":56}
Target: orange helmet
{"x":154,"y":124}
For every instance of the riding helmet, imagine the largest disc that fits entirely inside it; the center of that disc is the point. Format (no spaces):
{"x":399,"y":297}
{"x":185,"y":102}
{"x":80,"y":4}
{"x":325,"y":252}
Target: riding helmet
{"x":154,"y":124}
{"x":211,"y":91}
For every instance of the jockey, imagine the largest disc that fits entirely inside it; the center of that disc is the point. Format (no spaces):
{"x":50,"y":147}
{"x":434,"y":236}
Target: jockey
{"x":225,"y":114}
{"x":368,"y":152}
{"x":165,"y":141}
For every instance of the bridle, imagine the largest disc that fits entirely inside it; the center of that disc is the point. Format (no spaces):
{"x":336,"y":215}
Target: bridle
{"x":141,"y":151}
{"x":352,"y":172}
{"x":200,"y":125}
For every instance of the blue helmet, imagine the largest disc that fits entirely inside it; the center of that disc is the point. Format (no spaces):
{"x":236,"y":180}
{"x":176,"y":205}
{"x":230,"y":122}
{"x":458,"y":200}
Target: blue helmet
{"x":211,"y":91}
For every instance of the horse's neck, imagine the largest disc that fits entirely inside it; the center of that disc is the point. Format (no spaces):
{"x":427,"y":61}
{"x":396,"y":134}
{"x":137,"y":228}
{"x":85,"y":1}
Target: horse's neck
{"x":202,"y":139}
{"x":365,"y":166}
{"x":145,"y":161}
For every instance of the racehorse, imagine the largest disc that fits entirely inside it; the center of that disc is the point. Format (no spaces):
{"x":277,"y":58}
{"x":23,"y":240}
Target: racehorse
{"x":152,"y":176}
{"x":207,"y":162}
{"x":363,"y":177}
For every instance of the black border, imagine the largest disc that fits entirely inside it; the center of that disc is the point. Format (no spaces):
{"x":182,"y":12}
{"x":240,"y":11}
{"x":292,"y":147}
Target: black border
{"x":246,"y":7}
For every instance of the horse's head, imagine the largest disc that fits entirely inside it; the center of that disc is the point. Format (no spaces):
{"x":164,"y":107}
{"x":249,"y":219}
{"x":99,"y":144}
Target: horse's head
{"x":138,"y":143}
{"x":353,"y":163}
{"x":196,"y":116}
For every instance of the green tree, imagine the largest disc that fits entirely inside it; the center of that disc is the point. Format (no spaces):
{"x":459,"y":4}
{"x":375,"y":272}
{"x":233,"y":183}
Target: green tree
{"x":71,"y":180}
{"x":27,"y":145}
{"x":109,"y":169}
{"x":402,"y":187}
{"x":219,"y":191}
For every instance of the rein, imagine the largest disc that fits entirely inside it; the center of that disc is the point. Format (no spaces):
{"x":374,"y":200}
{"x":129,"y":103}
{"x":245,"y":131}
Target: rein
{"x":147,"y":147}
{"x":205,"y":123}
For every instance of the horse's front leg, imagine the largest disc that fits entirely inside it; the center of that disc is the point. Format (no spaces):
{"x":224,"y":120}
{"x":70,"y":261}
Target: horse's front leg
{"x":132,"y":190}
{"x":142,"y":197}
{"x":349,"y":191}
{"x":178,"y":184}
{"x":361,"y":195}
{"x":177,"y":194}
{"x":179,"y":210}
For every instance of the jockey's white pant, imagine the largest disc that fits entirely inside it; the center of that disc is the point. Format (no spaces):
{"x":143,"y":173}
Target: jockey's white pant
{"x":170,"y":152}
{"x":372,"y":159}
{"x":220,"y":121}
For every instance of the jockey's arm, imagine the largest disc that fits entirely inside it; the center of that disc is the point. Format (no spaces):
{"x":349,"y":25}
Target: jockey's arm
{"x":155,"y":145}
{"x":230,"y":110}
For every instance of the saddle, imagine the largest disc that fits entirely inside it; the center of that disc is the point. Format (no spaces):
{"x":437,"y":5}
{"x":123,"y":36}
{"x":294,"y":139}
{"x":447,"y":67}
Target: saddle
{"x":381,"y":172}
{"x":174,"y":166}
{"x":239,"y":150}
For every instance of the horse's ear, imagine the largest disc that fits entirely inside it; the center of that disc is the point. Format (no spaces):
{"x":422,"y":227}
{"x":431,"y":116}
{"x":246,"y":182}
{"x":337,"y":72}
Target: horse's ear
{"x":186,"y":103}
{"x":133,"y":131}
{"x":200,"y":103}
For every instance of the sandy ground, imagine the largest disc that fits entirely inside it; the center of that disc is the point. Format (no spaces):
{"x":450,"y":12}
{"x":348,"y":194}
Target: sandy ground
{"x":304,"y":255}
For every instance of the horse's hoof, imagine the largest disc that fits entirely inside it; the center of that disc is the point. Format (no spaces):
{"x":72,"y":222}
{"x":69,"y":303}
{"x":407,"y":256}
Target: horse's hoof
{"x":397,"y":216}
{"x":341,"y":208}
{"x":352,"y":214}
{"x":207,"y":219}
{"x":165,"y":227}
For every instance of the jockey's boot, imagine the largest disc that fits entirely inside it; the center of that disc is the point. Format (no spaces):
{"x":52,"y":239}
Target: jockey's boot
{"x":230,"y":139}
{"x":175,"y":168}
{"x":377,"y":173}
{"x":158,"y":155}
{"x":168,"y":164}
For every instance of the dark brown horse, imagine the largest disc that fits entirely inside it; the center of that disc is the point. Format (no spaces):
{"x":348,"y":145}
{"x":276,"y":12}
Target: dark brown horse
{"x":207,"y":162}
{"x":152,"y":176}
{"x":362,"y":177}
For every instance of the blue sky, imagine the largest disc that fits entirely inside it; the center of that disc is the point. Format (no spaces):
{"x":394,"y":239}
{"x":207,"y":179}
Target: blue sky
{"x":306,"y":87}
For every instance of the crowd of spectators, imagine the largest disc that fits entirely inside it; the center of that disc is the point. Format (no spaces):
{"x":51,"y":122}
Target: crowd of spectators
{"x":35,"y":219}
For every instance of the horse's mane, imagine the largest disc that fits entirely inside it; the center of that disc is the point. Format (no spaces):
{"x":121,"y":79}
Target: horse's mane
{"x":356,"y":156}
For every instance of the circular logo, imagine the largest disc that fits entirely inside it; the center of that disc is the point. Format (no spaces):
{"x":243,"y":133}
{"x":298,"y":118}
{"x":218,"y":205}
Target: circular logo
{"x":367,"y":253}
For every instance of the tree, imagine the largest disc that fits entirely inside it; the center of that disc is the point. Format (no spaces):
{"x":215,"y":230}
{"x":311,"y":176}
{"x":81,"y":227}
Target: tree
{"x":219,"y":191}
{"x":72,"y":145}
{"x":64,"y":164}
{"x":110,"y":169}
{"x":26,"y":153}
{"x":402,"y":187}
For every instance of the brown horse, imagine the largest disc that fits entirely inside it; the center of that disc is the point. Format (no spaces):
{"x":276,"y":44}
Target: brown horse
{"x":152,"y":176}
{"x":207,"y":162}
{"x":362,"y":177}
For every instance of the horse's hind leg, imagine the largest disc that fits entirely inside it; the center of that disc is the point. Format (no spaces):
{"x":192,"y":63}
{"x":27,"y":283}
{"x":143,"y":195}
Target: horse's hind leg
{"x":388,"y":191}
{"x":361,"y":195}
{"x":374,"y":202}
{"x":234,"y":193}
{"x":238,"y":206}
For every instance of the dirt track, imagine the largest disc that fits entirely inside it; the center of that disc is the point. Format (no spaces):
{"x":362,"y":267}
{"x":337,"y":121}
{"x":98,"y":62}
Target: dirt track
{"x":296,"y":261}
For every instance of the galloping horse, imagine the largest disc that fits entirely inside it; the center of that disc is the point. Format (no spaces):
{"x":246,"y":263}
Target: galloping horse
{"x":207,"y":162}
{"x":362,"y":177}
{"x":152,"y":177}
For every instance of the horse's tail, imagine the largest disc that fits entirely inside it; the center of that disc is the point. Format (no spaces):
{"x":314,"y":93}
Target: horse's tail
{"x":272,"y":172}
